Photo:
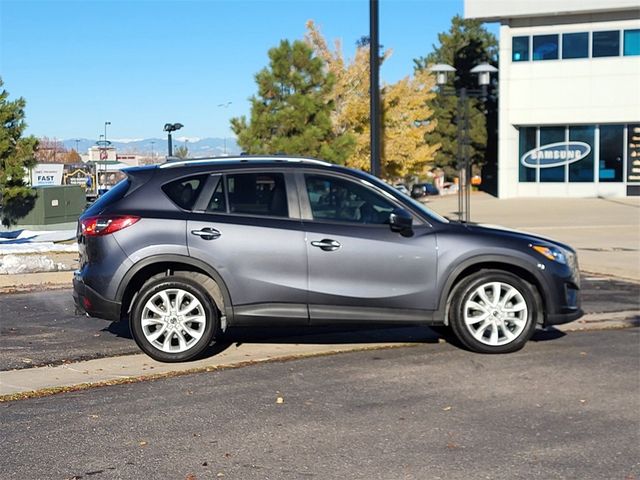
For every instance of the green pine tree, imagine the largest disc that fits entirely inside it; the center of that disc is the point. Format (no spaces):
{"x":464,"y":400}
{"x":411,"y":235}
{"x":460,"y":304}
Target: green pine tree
{"x":291,"y":112}
{"x":17,"y":153}
{"x":465,"y":45}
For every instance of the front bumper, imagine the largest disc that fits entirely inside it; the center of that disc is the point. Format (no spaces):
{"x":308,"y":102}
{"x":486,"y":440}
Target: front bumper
{"x":92,"y":303}
{"x":565,"y":317}
{"x":563,"y":301}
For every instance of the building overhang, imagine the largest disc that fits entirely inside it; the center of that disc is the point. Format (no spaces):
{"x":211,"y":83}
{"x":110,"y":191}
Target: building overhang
{"x":501,"y":10}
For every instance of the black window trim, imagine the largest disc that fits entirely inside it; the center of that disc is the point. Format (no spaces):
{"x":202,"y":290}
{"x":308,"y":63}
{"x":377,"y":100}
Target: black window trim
{"x":305,"y":207}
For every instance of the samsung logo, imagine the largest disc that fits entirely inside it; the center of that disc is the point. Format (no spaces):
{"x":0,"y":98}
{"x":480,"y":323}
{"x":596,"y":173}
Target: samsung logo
{"x":555,"y":154}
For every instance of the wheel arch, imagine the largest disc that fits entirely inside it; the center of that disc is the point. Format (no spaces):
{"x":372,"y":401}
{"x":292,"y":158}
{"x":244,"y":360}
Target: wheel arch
{"x":470,"y":266}
{"x":141,"y":271}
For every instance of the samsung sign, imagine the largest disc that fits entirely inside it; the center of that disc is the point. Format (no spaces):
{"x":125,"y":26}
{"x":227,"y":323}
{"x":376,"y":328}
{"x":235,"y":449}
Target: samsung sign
{"x":555,"y":154}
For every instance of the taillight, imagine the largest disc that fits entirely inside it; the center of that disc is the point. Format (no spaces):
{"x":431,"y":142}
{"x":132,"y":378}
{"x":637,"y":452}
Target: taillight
{"x":97,"y":226}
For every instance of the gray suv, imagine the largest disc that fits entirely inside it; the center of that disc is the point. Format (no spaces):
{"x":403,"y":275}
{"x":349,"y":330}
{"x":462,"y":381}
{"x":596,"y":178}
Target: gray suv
{"x":185,"y":249}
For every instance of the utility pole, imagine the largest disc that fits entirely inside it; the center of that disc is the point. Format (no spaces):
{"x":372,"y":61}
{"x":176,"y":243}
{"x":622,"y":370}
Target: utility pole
{"x":374,"y":87}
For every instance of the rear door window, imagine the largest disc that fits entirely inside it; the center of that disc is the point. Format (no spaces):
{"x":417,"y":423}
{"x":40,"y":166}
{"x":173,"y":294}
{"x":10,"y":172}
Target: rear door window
{"x":184,"y":192}
{"x":263,"y":194}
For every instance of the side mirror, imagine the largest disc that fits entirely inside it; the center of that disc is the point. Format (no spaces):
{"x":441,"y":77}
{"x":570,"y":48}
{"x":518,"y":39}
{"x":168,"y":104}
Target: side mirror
{"x":401,"y":221}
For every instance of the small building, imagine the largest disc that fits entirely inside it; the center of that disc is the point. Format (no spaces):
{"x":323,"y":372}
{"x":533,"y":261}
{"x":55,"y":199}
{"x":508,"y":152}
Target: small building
{"x":569,"y":99}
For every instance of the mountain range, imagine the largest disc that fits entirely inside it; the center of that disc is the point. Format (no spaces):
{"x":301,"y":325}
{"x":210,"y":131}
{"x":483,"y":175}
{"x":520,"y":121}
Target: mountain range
{"x":198,"y":147}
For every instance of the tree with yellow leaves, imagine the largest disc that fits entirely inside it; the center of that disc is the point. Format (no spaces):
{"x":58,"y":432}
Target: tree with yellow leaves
{"x":406,"y":115}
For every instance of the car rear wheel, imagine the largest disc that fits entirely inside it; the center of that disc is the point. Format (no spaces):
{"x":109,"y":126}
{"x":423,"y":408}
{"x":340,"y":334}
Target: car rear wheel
{"x":173,"y":319}
{"x":495,"y":312}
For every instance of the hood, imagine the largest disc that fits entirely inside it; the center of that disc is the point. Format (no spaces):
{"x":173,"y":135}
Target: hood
{"x":497,"y":230}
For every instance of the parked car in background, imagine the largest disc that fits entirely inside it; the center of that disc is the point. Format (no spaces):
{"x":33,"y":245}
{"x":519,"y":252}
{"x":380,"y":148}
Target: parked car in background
{"x":420,"y":190}
{"x":402,"y":188}
{"x":185,"y":249}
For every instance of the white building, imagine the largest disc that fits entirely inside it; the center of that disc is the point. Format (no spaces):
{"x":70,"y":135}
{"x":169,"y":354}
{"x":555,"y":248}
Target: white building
{"x":569,"y":100}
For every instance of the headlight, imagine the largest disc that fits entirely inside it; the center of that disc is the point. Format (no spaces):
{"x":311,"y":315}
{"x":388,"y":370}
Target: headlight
{"x":551,"y":253}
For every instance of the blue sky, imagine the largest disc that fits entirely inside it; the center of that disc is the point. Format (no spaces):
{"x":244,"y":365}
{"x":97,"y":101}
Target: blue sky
{"x":140,"y":64}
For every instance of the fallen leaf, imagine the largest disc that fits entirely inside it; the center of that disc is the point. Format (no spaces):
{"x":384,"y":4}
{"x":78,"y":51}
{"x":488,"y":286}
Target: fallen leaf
{"x":142,"y":443}
{"x":220,"y":474}
{"x":227,"y":455}
{"x":279,"y":400}
{"x":583,"y":401}
{"x":191,"y":476}
{"x":93,"y":416}
{"x":446,"y":409}
{"x":205,"y":464}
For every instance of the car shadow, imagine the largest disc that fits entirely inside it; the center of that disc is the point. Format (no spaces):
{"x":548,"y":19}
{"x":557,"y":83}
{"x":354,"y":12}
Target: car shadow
{"x":330,"y":335}
{"x":119,"y":329}
{"x":549,"y":333}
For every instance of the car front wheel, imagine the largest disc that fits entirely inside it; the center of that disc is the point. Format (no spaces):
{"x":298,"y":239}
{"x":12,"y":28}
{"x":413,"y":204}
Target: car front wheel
{"x":173,"y":319}
{"x":495,"y":312}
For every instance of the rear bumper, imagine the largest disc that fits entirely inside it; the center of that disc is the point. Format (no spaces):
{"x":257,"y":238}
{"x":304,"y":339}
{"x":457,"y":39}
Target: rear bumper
{"x":91,"y":302}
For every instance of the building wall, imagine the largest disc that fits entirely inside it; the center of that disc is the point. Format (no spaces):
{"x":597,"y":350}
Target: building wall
{"x":588,"y":91}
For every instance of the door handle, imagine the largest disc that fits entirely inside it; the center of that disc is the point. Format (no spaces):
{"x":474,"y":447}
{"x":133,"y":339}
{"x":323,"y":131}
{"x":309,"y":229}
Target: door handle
{"x":207,"y":233}
{"x":326,"y":244}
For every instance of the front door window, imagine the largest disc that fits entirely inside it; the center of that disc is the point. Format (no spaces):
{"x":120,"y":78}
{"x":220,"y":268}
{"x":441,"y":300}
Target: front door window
{"x":338,"y":200}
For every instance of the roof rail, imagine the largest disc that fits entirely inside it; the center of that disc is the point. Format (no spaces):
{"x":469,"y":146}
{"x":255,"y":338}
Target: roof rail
{"x":243,"y":158}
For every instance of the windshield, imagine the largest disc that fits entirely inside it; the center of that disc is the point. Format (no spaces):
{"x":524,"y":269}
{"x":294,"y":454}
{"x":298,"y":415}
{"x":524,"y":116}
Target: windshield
{"x":414,"y":203}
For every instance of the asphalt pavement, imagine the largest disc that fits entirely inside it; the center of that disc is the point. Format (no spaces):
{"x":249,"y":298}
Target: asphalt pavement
{"x":41,"y":328}
{"x":561,"y":409}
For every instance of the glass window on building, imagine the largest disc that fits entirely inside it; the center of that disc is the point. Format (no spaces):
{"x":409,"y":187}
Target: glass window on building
{"x":606,"y":44}
{"x":575,"y":45}
{"x":550,"y":135}
{"x":632,"y":42}
{"x":520,"y":49}
{"x":527,"y":142}
{"x":611,"y":153}
{"x":582,"y":170}
{"x":545,"y":47}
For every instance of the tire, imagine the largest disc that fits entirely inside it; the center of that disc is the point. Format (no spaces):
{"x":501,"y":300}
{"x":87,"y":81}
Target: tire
{"x":486,"y":324}
{"x":170,"y":333}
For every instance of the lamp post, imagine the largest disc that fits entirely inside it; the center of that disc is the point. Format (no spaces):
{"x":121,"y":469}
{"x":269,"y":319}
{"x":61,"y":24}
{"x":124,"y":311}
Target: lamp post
{"x":374,"y":88}
{"x":171,"y":127}
{"x":152,"y":152}
{"x":225,"y":105}
{"x":484,"y":71}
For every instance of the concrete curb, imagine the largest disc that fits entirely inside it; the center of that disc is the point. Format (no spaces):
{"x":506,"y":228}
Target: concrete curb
{"x":41,"y":381}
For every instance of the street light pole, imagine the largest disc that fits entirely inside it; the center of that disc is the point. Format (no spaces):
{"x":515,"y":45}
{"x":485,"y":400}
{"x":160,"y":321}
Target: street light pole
{"x":225,"y":105}
{"x":106,"y":148}
{"x":171,"y":127}
{"x":374,"y":87}
{"x":484,"y":72}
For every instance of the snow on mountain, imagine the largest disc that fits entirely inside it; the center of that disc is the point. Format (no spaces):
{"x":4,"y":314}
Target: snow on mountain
{"x":198,"y":147}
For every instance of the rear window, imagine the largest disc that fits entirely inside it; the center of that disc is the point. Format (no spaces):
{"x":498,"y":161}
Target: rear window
{"x":184,"y":192}
{"x":113,"y":195}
